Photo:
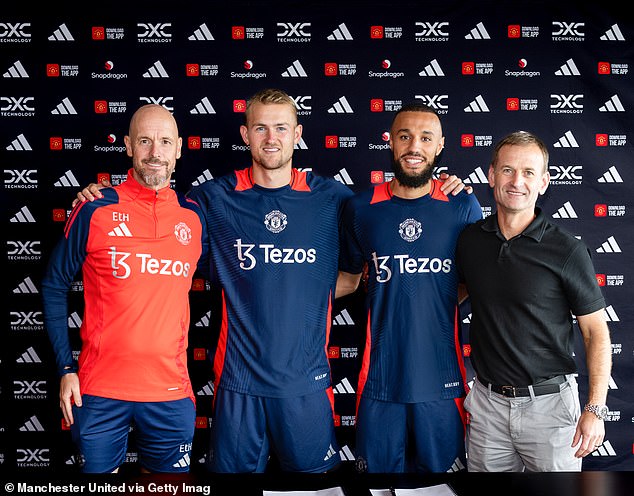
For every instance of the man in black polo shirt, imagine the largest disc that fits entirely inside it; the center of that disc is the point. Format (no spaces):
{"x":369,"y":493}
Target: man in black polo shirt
{"x":526,"y":277}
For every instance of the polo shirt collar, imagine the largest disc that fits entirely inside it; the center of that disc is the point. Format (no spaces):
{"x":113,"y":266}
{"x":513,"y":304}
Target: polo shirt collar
{"x":535,"y":229}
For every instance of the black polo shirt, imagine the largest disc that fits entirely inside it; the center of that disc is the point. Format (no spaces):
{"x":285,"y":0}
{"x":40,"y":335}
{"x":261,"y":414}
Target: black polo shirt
{"x":522,"y":293}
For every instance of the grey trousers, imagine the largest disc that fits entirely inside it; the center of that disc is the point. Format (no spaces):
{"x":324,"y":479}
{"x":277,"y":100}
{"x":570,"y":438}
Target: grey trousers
{"x":532,"y":433}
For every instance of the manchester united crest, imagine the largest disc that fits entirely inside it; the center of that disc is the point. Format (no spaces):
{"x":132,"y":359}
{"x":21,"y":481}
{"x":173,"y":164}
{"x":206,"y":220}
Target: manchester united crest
{"x":410,"y":230}
{"x":183,"y":233}
{"x":275,"y":221}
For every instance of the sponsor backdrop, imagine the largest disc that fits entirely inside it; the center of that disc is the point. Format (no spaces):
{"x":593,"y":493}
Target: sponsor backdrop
{"x":70,"y":82}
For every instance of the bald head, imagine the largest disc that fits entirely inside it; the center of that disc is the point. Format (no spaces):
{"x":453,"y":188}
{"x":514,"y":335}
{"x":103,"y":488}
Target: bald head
{"x":154,"y":145}
{"x":152,"y":111}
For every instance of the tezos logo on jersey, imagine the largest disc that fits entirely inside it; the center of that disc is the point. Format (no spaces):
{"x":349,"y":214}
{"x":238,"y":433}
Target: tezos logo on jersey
{"x":275,"y":221}
{"x":183,"y":233}
{"x":386,"y":265}
{"x":410,"y":230}
{"x":272,"y":254}
{"x":121,"y":266}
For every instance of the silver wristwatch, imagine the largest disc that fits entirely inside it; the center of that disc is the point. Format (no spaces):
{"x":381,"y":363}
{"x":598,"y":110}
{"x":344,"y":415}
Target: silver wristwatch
{"x":601,"y":411}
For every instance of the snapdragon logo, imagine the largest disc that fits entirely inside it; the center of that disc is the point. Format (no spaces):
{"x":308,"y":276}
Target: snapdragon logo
{"x":270,"y":254}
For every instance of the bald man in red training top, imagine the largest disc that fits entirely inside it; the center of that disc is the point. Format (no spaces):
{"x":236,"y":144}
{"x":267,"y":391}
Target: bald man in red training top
{"x":137,"y":248}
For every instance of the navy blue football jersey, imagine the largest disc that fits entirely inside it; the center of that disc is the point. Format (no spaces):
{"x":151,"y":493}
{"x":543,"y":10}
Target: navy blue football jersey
{"x":274,"y":254}
{"x":412,"y":352}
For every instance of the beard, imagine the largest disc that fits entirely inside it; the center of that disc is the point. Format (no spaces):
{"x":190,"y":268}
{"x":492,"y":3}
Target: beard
{"x":153,"y":177}
{"x":269,"y":164}
{"x":272,"y":163}
{"x":413,"y":180}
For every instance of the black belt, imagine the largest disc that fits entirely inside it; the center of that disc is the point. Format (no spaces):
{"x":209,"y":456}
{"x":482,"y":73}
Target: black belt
{"x":548,"y":386}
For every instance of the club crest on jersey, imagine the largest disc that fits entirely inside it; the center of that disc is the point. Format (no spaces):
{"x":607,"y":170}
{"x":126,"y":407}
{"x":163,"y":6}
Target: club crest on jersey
{"x":183,"y":233}
{"x":275,"y":221}
{"x":410,"y":230}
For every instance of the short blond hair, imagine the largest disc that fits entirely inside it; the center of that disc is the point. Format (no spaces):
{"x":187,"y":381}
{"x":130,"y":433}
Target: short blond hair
{"x":271,"y":96}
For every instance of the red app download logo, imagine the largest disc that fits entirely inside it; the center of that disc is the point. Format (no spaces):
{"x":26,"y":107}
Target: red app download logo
{"x":103,"y":176}
{"x":601,"y":279}
{"x":512,"y":104}
{"x":376,"y":32}
{"x":200,"y":353}
{"x":193,"y":142}
{"x":201,"y":423}
{"x":468,"y":68}
{"x":98,"y":33}
{"x":59,"y":215}
{"x":467,"y":140}
{"x":601,"y":139}
{"x":332,"y":141}
{"x":514,"y":31}
{"x":192,"y":70}
{"x":377,"y":177}
{"x":198,"y":284}
{"x":55,"y":143}
{"x":52,"y":70}
{"x":334,"y":352}
{"x":600,"y":210}
{"x":376,"y":105}
{"x":604,"y":68}
{"x":239,"y":106}
{"x":237,"y":32}
{"x":337,"y":420}
{"x":331,"y":69}
{"x":101,"y":107}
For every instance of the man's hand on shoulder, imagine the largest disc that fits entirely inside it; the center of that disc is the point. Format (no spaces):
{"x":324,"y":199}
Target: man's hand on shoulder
{"x":91,"y":192}
{"x":453,"y":184}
